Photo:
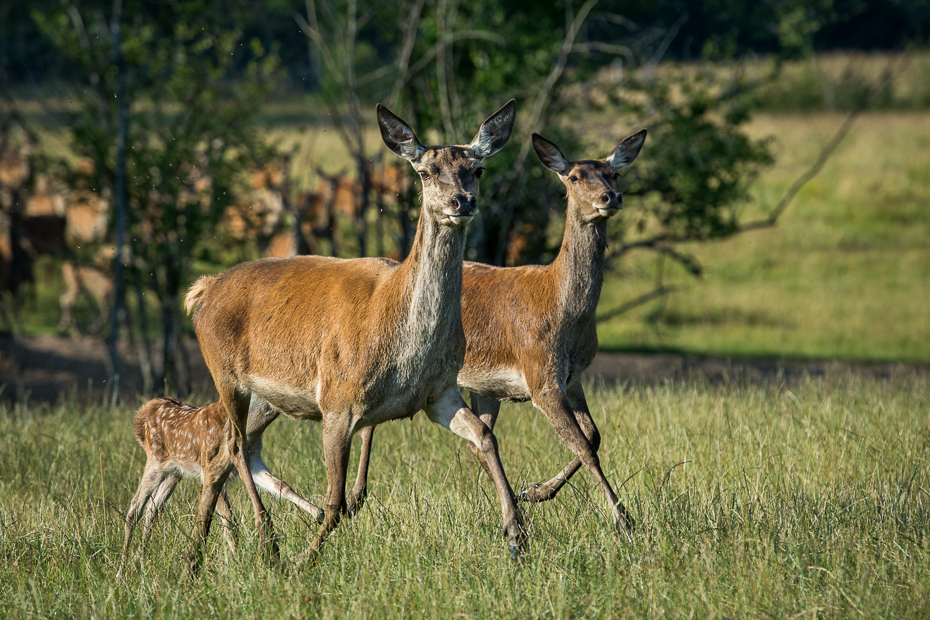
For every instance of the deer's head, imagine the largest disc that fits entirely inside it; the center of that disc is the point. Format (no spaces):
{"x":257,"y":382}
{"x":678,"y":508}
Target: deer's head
{"x":590,"y":182}
{"x":450,"y":173}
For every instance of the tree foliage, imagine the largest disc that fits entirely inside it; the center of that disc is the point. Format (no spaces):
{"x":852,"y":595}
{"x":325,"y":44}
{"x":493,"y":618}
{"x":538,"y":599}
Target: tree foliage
{"x":189,"y":136}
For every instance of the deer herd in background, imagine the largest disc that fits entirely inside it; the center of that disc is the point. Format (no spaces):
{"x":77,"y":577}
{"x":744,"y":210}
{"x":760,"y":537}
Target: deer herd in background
{"x":71,"y":222}
{"x":354,"y":343}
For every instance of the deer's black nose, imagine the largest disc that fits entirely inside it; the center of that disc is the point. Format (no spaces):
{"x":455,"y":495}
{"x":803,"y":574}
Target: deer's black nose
{"x":464,"y":204}
{"x":611,"y":200}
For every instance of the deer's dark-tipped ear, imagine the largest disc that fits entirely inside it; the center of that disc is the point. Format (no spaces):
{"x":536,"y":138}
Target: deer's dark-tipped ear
{"x":398,"y":136}
{"x":494,"y":132}
{"x":549,"y":154}
{"x":626,"y":151}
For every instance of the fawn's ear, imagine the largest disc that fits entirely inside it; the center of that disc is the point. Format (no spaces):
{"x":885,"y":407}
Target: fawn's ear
{"x":549,"y":154}
{"x":398,"y":136}
{"x":626,"y":151}
{"x":494,"y":132}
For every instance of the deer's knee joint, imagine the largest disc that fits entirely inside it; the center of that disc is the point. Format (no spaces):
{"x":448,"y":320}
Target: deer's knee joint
{"x":486,"y":442}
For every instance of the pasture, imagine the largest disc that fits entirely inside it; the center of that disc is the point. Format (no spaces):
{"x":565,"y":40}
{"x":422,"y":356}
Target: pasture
{"x":807,"y":500}
{"x":844,"y":275}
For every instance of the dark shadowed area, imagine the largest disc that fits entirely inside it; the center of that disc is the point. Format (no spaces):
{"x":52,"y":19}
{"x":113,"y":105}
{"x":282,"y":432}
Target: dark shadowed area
{"x":49,"y":368}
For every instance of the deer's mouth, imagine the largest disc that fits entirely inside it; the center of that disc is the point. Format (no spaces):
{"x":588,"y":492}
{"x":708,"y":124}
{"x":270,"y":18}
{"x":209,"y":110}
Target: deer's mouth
{"x":609,"y":211}
{"x":460,"y":219}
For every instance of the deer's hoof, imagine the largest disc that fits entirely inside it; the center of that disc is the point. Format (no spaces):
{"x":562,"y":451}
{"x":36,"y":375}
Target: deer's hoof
{"x":534,"y":494}
{"x":528,"y":494}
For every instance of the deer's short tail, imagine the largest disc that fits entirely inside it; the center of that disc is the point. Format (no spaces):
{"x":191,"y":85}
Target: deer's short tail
{"x":146,"y":412}
{"x":195,"y":294}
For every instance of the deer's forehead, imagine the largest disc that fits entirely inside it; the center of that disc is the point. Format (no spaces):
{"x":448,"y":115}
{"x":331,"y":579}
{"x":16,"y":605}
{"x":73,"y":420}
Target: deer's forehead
{"x":589,"y":167}
{"x":449,"y":158}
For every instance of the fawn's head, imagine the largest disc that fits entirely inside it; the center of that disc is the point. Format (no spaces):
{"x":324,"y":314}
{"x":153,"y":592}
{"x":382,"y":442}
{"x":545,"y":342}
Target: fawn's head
{"x":590,"y":182}
{"x":450,"y":173}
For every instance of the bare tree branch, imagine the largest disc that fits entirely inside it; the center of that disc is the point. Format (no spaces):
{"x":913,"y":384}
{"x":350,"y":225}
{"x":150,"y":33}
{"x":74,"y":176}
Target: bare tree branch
{"x":411,"y":27}
{"x":659,"y":291}
{"x":449,"y":39}
{"x":572,"y":28}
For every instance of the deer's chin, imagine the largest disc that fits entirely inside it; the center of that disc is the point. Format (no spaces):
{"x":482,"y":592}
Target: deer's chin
{"x":605,"y":213}
{"x":460,"y":220}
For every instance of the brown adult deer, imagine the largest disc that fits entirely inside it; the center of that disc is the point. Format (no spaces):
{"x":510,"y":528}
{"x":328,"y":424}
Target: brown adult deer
{"x":531,"y":330}
{"x":357,"y":342}
{"x":179,"y":441}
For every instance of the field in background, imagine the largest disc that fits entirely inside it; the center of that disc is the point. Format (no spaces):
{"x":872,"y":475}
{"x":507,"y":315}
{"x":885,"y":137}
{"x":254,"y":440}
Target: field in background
{"x":845,"y":273}
{"x":806,"y":500}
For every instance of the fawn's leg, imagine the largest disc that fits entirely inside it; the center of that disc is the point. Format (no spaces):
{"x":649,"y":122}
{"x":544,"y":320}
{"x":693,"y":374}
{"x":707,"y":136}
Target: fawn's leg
{"x":151,"y":479}
{"x":225,"y":512}
{"x":164,"y":491}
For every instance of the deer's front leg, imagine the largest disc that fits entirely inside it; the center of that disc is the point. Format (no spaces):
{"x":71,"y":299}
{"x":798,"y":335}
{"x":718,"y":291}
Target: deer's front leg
{"x":451,"y":412}
{"x":486,"y":408}
{"x":337,"y":442}
{"x":547,"y":490}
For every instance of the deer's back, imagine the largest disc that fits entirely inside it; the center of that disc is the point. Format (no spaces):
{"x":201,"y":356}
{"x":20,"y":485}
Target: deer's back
{"x":295,"y":331}
{"x":170,"y":430}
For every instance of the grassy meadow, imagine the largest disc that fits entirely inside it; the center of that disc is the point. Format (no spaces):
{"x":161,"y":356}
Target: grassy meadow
{"x":807,"y":500}
{"x":845,"y":273}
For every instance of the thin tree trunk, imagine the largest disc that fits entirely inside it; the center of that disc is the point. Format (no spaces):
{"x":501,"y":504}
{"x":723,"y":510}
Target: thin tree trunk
{"x":120,"y":197}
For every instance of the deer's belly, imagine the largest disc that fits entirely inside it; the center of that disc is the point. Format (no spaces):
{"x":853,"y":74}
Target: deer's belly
{"x":500,"y":383}
{"x":295,"y":402}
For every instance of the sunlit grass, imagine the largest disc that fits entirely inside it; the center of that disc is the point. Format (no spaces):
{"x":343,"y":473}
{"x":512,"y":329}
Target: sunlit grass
{"x":807,"y":499}
{"x":846,"y":273}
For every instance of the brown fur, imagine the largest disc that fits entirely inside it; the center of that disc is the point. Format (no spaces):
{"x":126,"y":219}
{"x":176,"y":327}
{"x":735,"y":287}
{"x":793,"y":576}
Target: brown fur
{"x":86,"y":279}
{"x":531,"y":330}
{"x":355,"y":342}
{"x":182,"y":440}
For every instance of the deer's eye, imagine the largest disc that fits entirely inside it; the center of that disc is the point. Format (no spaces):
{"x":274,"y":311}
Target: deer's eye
{"x":424,"y":175}
{"x":478,"y":173}
{"x":616,"y":176}
{"x":573,"y":179}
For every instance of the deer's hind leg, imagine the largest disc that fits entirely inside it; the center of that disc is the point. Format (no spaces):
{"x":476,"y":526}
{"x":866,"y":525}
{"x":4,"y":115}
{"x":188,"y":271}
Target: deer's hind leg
{"x":270,"y":483}
{"x":151,"y":479}
{"x":161,"y":495}
{"x":237,"y":403}
{"x":572,"y":422}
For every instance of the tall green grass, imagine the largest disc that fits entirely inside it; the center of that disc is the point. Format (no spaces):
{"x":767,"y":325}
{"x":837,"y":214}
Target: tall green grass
{"x":808,"y":500}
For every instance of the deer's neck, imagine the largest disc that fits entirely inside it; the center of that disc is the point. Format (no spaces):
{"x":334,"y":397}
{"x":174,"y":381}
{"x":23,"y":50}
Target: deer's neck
{"x":579,"y":267}
{"x":432,"y":276}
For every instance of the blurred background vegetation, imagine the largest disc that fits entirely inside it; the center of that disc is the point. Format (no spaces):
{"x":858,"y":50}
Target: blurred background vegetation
{"x":779,"y":207}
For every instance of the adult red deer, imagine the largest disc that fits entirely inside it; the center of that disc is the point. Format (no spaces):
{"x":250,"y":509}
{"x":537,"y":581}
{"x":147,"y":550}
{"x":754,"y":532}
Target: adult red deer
{"x":353,"y":343}
{"x":531,"y":330}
